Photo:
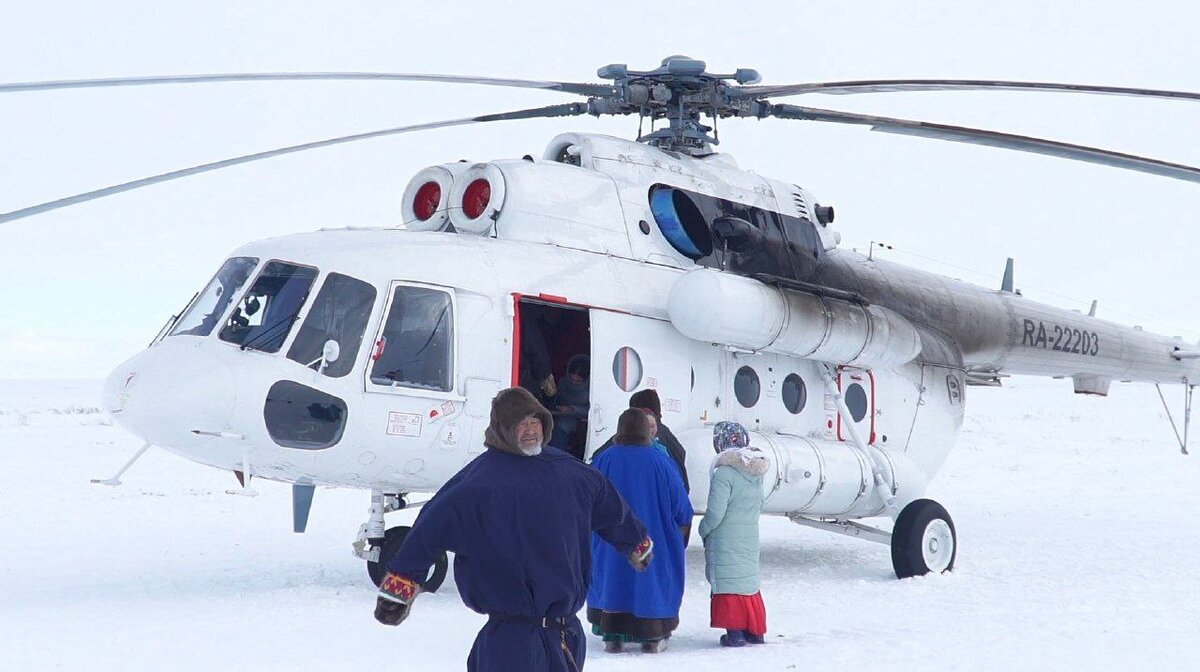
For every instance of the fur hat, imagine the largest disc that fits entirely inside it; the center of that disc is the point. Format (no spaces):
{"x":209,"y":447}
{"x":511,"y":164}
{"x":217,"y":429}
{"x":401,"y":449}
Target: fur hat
{"x":509,"y":408}
{"x":728,"y":435}
{"x":647,"y":399}
{"x":633,"y":429}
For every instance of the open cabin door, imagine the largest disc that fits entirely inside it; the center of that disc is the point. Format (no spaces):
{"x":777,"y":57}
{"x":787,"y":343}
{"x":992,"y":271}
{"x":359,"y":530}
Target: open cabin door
{"x":631,"y":353}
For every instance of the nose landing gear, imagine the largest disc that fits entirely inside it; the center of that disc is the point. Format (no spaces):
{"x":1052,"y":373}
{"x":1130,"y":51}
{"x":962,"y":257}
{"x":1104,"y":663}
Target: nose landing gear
{"x":378,"y":546}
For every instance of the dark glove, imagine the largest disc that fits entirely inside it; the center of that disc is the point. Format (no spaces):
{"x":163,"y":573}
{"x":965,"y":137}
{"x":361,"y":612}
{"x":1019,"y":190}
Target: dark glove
{"x":641,"y":556}
{"x":390,"y":613}
{"x":396,"y":595}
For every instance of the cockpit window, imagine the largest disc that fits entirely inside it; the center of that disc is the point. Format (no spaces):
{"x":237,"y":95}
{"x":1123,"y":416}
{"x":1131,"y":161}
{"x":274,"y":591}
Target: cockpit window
{"x":417,"y":345}
{"x":339,"y":313}
{"x":263,"y":318}
{"x":212,"y":302}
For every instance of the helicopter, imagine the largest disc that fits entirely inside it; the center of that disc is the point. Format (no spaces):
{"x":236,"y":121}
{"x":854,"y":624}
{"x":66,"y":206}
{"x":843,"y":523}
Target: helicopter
{"x":368,"y":358}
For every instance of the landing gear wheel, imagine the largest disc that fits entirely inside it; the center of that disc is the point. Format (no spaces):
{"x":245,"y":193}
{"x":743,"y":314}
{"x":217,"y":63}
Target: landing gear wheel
{"x":392,"y":539}
{"x":923,"y":540}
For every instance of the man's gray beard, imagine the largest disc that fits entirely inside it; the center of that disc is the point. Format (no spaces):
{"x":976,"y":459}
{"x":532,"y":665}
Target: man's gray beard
{"x":530,"y":452}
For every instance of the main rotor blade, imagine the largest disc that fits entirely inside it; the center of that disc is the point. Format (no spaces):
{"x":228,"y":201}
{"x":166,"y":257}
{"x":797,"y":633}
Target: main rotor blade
{"x":569,"y":109}
{"x":905,"y":85}
{"x":977,"y":136}
{"x":565,"y":87}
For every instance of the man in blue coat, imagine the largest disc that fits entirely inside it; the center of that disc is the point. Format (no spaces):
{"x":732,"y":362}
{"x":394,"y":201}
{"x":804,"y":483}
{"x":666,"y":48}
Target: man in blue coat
{"x":519,"y":519}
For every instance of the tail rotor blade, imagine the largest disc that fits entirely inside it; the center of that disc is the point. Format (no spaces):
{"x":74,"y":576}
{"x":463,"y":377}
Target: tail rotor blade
{"x":569,"y":109}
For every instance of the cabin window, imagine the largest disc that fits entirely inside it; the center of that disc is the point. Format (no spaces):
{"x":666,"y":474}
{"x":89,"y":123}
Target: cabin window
{"x":856,"y":401}
{"x":210,"y":305}
{"x":416,"y":348}
{"x":746,"y":386}
{"x":795,"y":393}
{"x":339,"y":313}
{"x":297,"y":416}
{"x":264,"y":316}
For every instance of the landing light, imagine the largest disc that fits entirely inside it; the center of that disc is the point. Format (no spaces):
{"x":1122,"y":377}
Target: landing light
{"x":476,"y":198}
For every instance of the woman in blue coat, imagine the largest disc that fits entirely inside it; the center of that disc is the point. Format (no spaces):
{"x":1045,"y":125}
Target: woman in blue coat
{"x":628,"y":606}
{"x":730,"y":533}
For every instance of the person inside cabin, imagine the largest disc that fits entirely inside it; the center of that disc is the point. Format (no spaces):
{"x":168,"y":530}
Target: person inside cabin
{"x":535,"y":372}
{"x":730,"y":533}
{"x":526,"y":570}
{"x":624,"y":606}
{"x":571,"y":406}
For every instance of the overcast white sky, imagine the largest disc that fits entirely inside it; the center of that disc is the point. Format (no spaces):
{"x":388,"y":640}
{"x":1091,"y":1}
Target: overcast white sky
{"x":85,"y":287}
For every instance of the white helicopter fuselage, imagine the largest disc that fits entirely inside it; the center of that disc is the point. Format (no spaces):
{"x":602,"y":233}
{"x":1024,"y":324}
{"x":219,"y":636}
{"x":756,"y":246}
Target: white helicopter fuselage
{"x":576,"y":232}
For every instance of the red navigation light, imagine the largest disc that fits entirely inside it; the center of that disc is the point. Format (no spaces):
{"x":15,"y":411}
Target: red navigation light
{"x":426,"y":201}
{"x":476,"y":198}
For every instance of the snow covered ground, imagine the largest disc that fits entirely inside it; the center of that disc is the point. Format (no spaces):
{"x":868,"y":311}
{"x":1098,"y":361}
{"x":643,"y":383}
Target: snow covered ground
{"x":1076,"y":516}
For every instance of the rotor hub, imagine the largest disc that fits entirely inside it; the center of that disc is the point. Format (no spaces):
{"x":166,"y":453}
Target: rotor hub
{"x":680,"y":91}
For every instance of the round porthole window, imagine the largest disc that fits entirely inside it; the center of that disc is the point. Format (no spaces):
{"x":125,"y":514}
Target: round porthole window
{"x":627,"y":369}
{"x":795,"y":394}
{"x":856,"y":401}
{"x":746,"y":387}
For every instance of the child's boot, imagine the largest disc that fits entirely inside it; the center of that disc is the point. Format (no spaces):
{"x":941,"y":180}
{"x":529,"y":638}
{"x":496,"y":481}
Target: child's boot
{"x":733,"y":638}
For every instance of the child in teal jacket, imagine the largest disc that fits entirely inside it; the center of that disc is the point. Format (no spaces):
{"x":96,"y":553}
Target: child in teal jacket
{"x":730,"y":533}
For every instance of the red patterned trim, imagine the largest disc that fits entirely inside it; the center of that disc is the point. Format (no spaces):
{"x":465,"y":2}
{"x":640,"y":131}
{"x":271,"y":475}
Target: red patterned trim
{"x":398,"y":588}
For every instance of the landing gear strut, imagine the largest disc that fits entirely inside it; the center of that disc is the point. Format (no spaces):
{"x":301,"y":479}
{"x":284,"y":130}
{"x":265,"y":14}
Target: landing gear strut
{"x":378,"y":546}
{"x":923,"y":539}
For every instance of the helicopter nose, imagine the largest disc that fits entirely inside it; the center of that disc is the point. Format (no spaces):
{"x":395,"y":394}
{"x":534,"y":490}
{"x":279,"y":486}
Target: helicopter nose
{"x":166,"y":393}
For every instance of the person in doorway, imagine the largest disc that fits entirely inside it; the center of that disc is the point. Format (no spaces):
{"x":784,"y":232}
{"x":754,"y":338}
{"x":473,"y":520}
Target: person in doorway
{"x":648,"y":401}
{"x":571,"y":405}
{"x":730,"y":533}
{"x":535,"y":372}
{"x":644,"y":608}
{"x":528,"y":571}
